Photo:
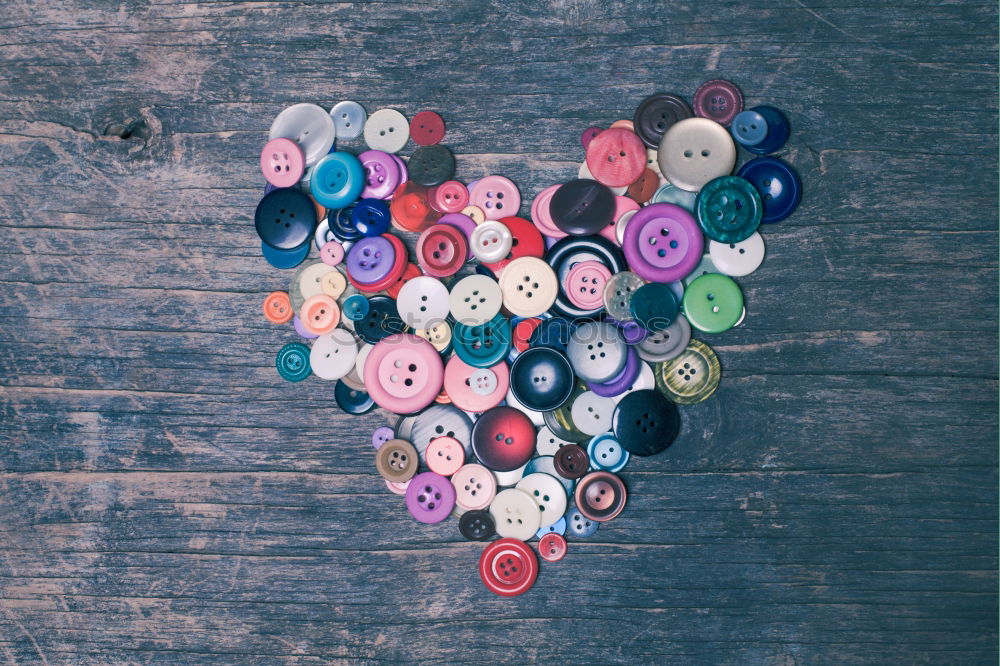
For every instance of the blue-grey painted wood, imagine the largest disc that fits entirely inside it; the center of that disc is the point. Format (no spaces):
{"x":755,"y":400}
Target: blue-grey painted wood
{"x":165,"y":497}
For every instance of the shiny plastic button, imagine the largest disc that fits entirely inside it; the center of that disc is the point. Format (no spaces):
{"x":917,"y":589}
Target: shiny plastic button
{"x":490,"y":241}
{"x":571,"y":461}
{"x":618,"y":292}
{"x":475,"y":487}
{"x":778,"y":185}
{"x":738,"y":259}
{"x":694,"y":151}
{"x":597,"y":351}
{"x":422,"y":302}
{"x":541,"y":379}
{"x":482,"y":345}
{"x":403,"y":373}
{"x":654,"y":306}
{"x":356,"y":307}
{"x":332,"y":253}
{"x":430,"y":497}
{"x":371,"y":260}
{"x":552,"y":547}
{"x":476,"y":525}
{"x":449,"y":197}
{"x":585,"y":284}
{"x":663,"y":243}
{"x":352,"y":399}
{"x":592,"y":413}
{"x":438,"y":421}
{"x":548,"y":493}
{"x":427,"y":128}
{"x":387,"y":130}
{"x":475,"y":300}
{"x":349,"y":119}
{"x":397,"y":461}
{"x":547,"y":443}
{"x":319,"y":314}
{"x":606,"y":453}
{"x":307,"y":125}
{"x":646,"y":423}
{"x":285,"y":219}
{"x":278,"y":308}
{"x":508,"y":567}
{"x":333,"y":354}
{"x":337,"y":180}
{"x":438,"y":335}
{"x":283,"y":259}
{"x":445,"y":456}
{"x":620,"y":382}
{"x":282,"y":162}
{"x":666,"y":344}
{"x":496,"y":196}
{"x":382,"y":174}
{"x":616,"y":157}
{"x":600,"y":496}
{"x":718,"y":100}
{"x":441,"y":250}
{"x":371,"y":217}
{"x":529,"y":286}
{"x":503,"y":439}
{"x":526,"y":241}
{"x":761,"y":130}
{"x":728,"y":209}
{"x":643,"y":189}
{"x":292,"y":362}
{"x":713,"y":303}
{"x":516,"y":514}
{"x":667,"y":193}
{"x":582,"y":207}
{"x":692,"y":376}
{"x":658,"y":113}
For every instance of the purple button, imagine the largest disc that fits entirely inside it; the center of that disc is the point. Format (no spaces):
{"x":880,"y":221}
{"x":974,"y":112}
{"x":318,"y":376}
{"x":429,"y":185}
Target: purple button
{"x":381,"y":436}
{"x":430,"y":497}
{"x":370,"y":260}
{"x":301,"y":331}
{"x":382,"y":175}
{"x":623,"y":381}
{"x":663,"y":243}
{"x":404,"y":172}
{"x":463,"y":222}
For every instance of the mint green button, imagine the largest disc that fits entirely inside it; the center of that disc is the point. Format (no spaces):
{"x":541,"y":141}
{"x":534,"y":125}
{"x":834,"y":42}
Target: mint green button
{"x":713,"y":303}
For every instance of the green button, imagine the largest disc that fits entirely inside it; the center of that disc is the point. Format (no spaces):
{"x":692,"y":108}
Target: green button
{"x":728,"y":209}
{"x":713,"y":303}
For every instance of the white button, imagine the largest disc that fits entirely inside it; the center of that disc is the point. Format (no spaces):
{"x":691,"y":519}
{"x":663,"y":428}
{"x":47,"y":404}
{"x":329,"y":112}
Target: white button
{"x":738,"y":259}
{"x":646,"y":381}
{"x":592,"y":413}
{"x":308,"y":282}
{"x":548,"y":493}
{"x":694,"y":151}
{"x":491,"y":241}
{"x":359,"y":362}
{"x":547,"y":443}
{"x":511,"y":477}
{"x":622,"y":223}
{"x":307,"y":125}
{"x":516,"y":514}
{"x":529,"y":286}
{"x":474,"y":300}
{"x":483,"y":381}
{"x":438,"y":335}
{"x":387,"y":130}
{"x":349,"y":119}
{"x":537,"y":418}
{"x":584,"y":172}
{"x":422,"y":302}
{"x":333,"y":354}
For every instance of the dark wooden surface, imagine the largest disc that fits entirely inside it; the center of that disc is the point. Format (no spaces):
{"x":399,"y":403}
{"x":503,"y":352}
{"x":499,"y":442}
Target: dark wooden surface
{"x":165,"y":497}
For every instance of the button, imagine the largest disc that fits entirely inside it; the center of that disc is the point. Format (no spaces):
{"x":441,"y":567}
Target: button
{"x":541,"y":379}
{"x":331,"y":253}
{"x":476,"y":525}
{"x":578,"y":525}
{"x":559,"y":527}
{"x":545,"y":465}
{"x":667,"y":193}
{"x":490,"y":241}
{"x":426,"y":128}
{"x":333,"y":354}
{"x":438,"y":335}
{"x":381,"y":435}
{"x":292,"y":362}
{"x":349,"y":119}
{"x":397,"y":461}
{"x":658,"y":113}
{"x":475,"y":300}
{"x":548,"y":493}
{"x":397,"y":488}
{"x":704,"y":267}
{"x":371,"y":260}
{"x":497,"y":196}
{"x":337,"y":180}
{"x":352,"y":399}
{"x":600,"y":496}
{"x":620,"y":382}
{"x":445,"y":455}
{"x":738,"y":259}
{"x":529,"y":286}
{"x":449,"y":197}
{"x":463,"y":223}
{"x":472,"y":394}
{"x":728,"y":209}
{"x":278,"y":308}
{"x":694,"y":151}
{"x":582,"y":207}
{"x":403,"y":373}
{"x":303,"y":333}
{"x":285,"y":219}
{"x":571,"y":461}
{"x":596,"y":351}
{"x":592,"y":413}
{"x":692,"y":376}
{"x":339,"y":226}
{"x":618,"y":292}
{"x":761,"y":130}
{"x":516,"y":514}
{"x":616,"y":157}
{"x":713,"y":303}
{"x":371,"y":217}
{"x":622,"y":205}
{"x":283,"y":259}
{"x":308,"y":282}
{"x":778,"y":185}
{"x":566,"y":253}
{"x":440,"y":421}
{"x":643,"y":189}
{"x":282,"y":162}
{"x":474,"y":213}
{"x":319,"y":314}
{"x":552,"y":547}
{"x":430,"y":497}
{"x":431,"y":165}
{"x":654,"y":306}
{"x":554,"y":332}
{"x":423,"y":302}
{"x":541,"y":213}
{"x":665,"y":345}
{"x":645,"y":423}
{"x":526,"y":241}
{"x":547,"y":443}
{"x":387,"y":130}
{"x":606,"y":453}
{"x":382,"y":174}
{"x":718,"y":100}
{"x":588,"y":135}
{"x":663,"y":243}
{"x":523,"y":331}
{"x":307,"y":125}
{"x":482,"y":345}
{"x":508,"y":567}
{"x":503,"y":439}
{"x":475,"y":487}
{"x":356,"y":307}
{"x":585,"y":284}
{"x":441,"y":250}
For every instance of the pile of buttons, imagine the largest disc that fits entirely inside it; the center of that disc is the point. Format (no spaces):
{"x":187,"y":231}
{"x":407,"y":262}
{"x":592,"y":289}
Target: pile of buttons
{"x":526,"y":358}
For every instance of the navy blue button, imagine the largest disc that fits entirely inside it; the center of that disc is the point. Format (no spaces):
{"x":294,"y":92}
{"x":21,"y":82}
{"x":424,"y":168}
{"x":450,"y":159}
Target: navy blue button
{"x":761,"y":130}
{"x":381,"y":321}
{"x":285,"y":218}
{"x":777,"y":183}
{"x":554,"y":333}
{"x":579,"y":526}
{"x":352,"y":400}
{"x":654,"y":306}
{"x":371,"y":217}
{"x":284,"y":258}
{"x":484,"y":345}
{"x":342,"y":225}
{"x":645,"y":422}
{"x":541,"y":379}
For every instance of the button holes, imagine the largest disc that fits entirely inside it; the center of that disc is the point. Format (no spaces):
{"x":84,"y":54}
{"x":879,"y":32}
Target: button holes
{"x":742,"y":251}
{"x":382,"y":133}
{"x":661,"y":253}
{"x":509,"y":440}
{"x":710,"y":296}
{"x":688,"y":153}
{"x":715,"y":308}
{"x":767,"y":197}
{"x":537,"y":493}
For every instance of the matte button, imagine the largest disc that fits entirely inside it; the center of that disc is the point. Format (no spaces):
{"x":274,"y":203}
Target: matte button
{"x":307,"y":282}
{"x":620,"y":382}
{"x":571,"y":461}
{"x":547,"y":443}
{"x":606,"y":453}
{"x":387,"y":130}
{"x":445,"y":456}
{"x":529,"y":286}
{"x":738,"y":259}
{"x":282,"y":162}
{"x":596,"y":351}
{"x":592,"y":413}
{"x":578,"y":525}
{"x":616,"y":157}
{"x":475,"y":300}
{"x":728,"y":209}
{"x":431,"y":165}
{"x":548,"y":493}
{"x":334,"y":284}
{"x":482,"y":345}
{"x":337,"y":180}
{"x":713,"y":303}
{"x":694,"y":151}
{"x":585,"y":284}
{"x":761,"y":130}
{"x":582,"y":207}
{"x":475,"y":487}
{"x":333,"y":354}
{"x":541,"y":379}
{"x":554,"y":333}
{"x":474,"y":392}
{"x":692,"y":376}
{"x":430,"y":497}
{"x":283,"y":259}
{"x":665,"y":345}
{"x":645,"y":423}
{"x":422,"y":302}
{"x":600,"y":496}
{"x":427,"y":128}
{"x":319,"y":314}
{"x":654,"y":306}
{"x":522,"y":332}
{"x":663,"y":242}
{"x":476,"y":525}
{"x":658,"y":113}
{"x":352,"y":400}
{"x":484,"y":381}
{"x":568,"y":252}
{"x":516,"y":514}
{"x":618,"y":293}
{"x":371,"y":217}
{"x":503,"y":439}
{"x":307,"y":125}
{"x":278,"y":308}
{"x":403,"y":373}
{"x":496,"y":196}
{"x":643,"y":189}
{"x":490,"y":241}
{"x":508,"y":567}
{"x":285,"y":219}
{"x":718,"y":100}
{"x":382,"y":174}
{"x":397,"y":461}
{"x":332,"y":253}
{"x":552,"y":547}
{"x":439,"y":421}
{"x":588,"y":135}
{"x":349,"y":119}
{"x":778,"y":185}
{"x":438,"y":335}
{"x":292,"y":362}
{"x":381,"y":435}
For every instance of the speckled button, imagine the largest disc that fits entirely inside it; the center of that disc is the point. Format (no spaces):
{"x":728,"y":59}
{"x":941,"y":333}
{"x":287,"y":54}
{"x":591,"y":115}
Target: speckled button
{"x":503,"y":439}
{"x":403,"y":373}
{"x":423,"y":302}
{"x":475,"y":487}
{"x":445,"y":455}
{"x":552,"y":547}
{"x":516,"y":514}
{"x":666,"y":344}
{"x":427,"y":128}
{"x":606,"y":453}
{"x":616,"y":157}
{"x":307,"y":125}
{"x":694,"y":151}
{"x":646,"y":423}
{"x":718,"y":100}
{"x":282,"y":162}
{"x":738,"y":259}
{"x":713,"y":303}
{"x":387,"y":130}
{"x":548,"y":493}
{"x":728,"y":209}
{"x":663,"y":243}
{"x":596,"y":351}
{"x":600,"y":496}
{"x":285,"y":219}
{"x":692,"y":376}
{"x":496,"y":196}
{"x":475,"y":300}
{"x":508,"y":567}
{"x":469,"y":390}
{"x":654,"y":306}
{"x":658,"y":113}
{"x":617,"y":296}
{"x":397,"y":461}
{"x":333,"y":354}
{"x":430,"y":497}
{"x":592,"y":413}
{"x":582,"y":207}
{"x":349,"y":119}
{"x":431,"y":165}
{"x":541,"y":379}
{"x":529,"y":286}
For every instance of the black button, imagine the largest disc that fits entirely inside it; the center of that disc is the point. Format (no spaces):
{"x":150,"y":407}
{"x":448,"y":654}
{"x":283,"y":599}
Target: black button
{"x":431,"y":165}
{"x":645,"y":423}
{"x":381,"y":321}
{"x":285,"y":218}
{"x":351,"y":400}
{"x":541,"y":379}
{"x":476,"y":525}
{"x":582,"y":207}
{"x":655,"y":115}
{"x":573,"y":250}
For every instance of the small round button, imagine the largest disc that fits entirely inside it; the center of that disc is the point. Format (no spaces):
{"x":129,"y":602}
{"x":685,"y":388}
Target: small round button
{"x":441,"y":250}
{"x":397,"y":461}
{"x":516,"y":514}
{"x":503,"y":439}
{"x":618,"y":293}
{"x":387,"y":130}
{"x":738,"y":259}
{"x":526,"y":241}
{"x":381,"y":435}
{"x":552,"y":547}
{"x":778,"y":185}
{"x":475,"y":300}
{"x":690,"y":377}
{"x":490,"y":241}
{"x":403,"y":373}
{"x":282,"y":162}
{"x":431,"y":165}
{"x":582,"y":207}
{"x":718,"y":100}
{"x":694,"y":151}
{"x":430,"y":497}
{"x":331,"y":253}
{"x":713,"y":303}
{"x":658,"y":113}
{"x":728,"y":209}
{"x":496,"y":196}
{"x":449,"y":197}
{"x":333,"y":354}
{"x":482,"y":345}
{"x":596,"y":351}
{"x":585,"y":284}
{"x":307,"y":125}
{"x":606,"y":453}
{"x":541,"y":379}
{"x":427,"y":128}
{"x":529,"y":286}
{"x":278,"y":308}
{"x":761,"y":130}
{"x":654,"y":306}
{"x":548,"y":493}
{"x":475,"y":487}
{"x":476,"y":525}
{"x":292,"y":362}
{"x":319,"y":314}
{"x":371,"y":217}
{"x":438,"y":335}
{"x":643,"y":189}
{"x":645,"y":423}
{"x":578,"y":525}
{"x":382,"y":174}
{"x":439,"y":421}
{"x":600,"y":496}
{"x":474,"y":394}
{"x":445,"y":455}
{"x":571,"y":461}
{"x":616,"y":157}
{"x":352,"y":399}
{"x":349,"y":119}
{"x":508,"y":567}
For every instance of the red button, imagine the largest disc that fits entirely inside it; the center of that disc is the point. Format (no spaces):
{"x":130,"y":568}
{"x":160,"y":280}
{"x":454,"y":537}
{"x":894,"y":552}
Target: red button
{"x":410,"y":209}
{"x":503,"y":439}
{"x":427,"y":128}
{"x":508,"y":567}
{"x":527,"y":242}
{"x":441,"y":250}
{"x":552,"y":547}
{"x":449,"y":197}
{"x":523,"y":331}
{"x":411,"y":271}
{"x":616,"y":157}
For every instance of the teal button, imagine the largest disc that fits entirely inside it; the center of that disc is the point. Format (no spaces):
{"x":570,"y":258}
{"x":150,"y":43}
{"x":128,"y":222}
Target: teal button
{"x":484,"y":345}
{"x":606,"y":453}
{"x":337,"y":180}
{"x":728,"y":209}
{"x":713,"y":303}
{"x":293,"y":362}
{"x":356,"y":307}
{"x":654,"y":305}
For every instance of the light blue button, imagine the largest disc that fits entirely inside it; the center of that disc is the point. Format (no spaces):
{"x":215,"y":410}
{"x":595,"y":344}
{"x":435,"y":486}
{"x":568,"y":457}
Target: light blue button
{"x":558,"y":528}
{"x":578,"y":526}
{"x":337,"y":180}
{"x":349,"y":119}
{"x":606,"y":453}
{"x":675,"y":195}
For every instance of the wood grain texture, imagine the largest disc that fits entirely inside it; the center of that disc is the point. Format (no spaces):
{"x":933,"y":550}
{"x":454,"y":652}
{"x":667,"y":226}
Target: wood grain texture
{"x":166,"y":498}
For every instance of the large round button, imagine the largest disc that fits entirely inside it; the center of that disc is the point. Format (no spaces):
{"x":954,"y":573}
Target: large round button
{"x":397,"y":461}
{"x":349,"y":119}
{"x":285,"y":219}
{"x":548,"y":493}
{"x":571,"y":461}
{"x":738,"y":259}
{"x":496,"y":196}
{"x":616,"y":157}
{"x":541,"y":379}
{"x":431,"y":165}
{"x":643,"y":381}
{"x":694,"y":151}
{"x":728,"y":209}
{"x":475,"y":300}
{"x":422,"y":302}
{"x":508,"y":567}
{"x":585,"y":283}
{"x":646,"y":423}
{"x":307,"y":125}
{"x":569,"y":252}
{"x":582,"y":207}
{"x":283,"y":259}
{"x":658,"y":113}
{"x":387,"y":130}
{"x":337,"y":180}
{"x":381,"y":320}
{"x":690,"y":377}
{"x":475,"y":487}
{"x":292,"y":362}
{"x":552,"y":547}
{"x":778,"y":185}
{"x":529,"y":286}
{"x":654,"y":306}
{"x":596,"y":351}
{"x":622,"y":381}
{"x":600,"y":496}
{"x":476,"y":525}
{"x":718,"y":100}
{"x":516,"y":514}
{"x":713,"y":303}
{"x":430,"y":497}
{"x":503,"y":439}
{"x":482,"y":345}
{"x":663,"y":243}
{"x":333,"y":354}
{"x":404,"y":373}
{"x":666,"y":344}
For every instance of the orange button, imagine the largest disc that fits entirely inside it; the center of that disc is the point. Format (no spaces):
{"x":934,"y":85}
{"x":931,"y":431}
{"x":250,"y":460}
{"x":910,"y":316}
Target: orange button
{"x":320,"y":314}
{"x":278,"y":308}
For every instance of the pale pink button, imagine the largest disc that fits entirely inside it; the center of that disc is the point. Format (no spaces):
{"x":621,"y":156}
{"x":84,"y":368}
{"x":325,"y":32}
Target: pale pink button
{"x":458,"y":385}
{"x":403,"y":373}
{"x":585,"y":283}
{"x":622,"y":206}
{"x":445,"y":455}
{"x":541,"y":216}
{"x":319,"y":314}
{"x":282,"y":162}
{"x":497,"y":196}
{"x":449,"y":197}
{"x":475,"y":487}
{"x":331,"y":253}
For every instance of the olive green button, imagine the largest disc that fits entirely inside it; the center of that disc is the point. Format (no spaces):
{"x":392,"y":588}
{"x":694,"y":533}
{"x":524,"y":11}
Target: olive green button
{"x":690,"y":377}
{"x":713,"y":303}
{"x":728,"y":209}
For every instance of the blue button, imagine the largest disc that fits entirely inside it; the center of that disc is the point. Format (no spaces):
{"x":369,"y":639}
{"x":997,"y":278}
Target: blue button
{"x":337,"y":180}
{"x":371,"y":217}
{"x":356,"y":307}
{"x":292,"y":362}
{"x":284,"y":258}
{"x":761,"y":130}
{"x":606,"y":453}
{"x":541,"y":379}
{"x":554,"y":333}
{"x":559,"y":527}
{"x":484,"y":345}
{"x":777,"y":183}
{"x":340,"y":222}
{"x":675,"y":195}
{"x":349,"y":119}
{"x":351,"y":400}
{"x":578,"y":526}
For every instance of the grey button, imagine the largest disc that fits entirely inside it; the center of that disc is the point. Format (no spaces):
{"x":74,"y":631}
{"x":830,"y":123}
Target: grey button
{"x":349,"y":119}
{"x":694,"y":151}
{"x":441,"y":421}
{"x":618,"y":294}
{"x":597,"y":351}
{"x":667,"y":344}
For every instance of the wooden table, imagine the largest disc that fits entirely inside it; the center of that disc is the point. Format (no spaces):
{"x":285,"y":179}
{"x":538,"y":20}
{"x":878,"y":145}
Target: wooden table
{"x":166,"y":497}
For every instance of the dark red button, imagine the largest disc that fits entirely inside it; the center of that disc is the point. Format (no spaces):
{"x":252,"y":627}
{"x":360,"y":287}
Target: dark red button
{"x":503,"y":439}
{"x":527,"y":242}
{"x":508,"y":567}
{"x":552,"y":547}
{"x":600,"y":496}
{"x":427,"y":128}
{"x":643,"y":189}
{"x":441,"y":250}
{"x":571,"y":461}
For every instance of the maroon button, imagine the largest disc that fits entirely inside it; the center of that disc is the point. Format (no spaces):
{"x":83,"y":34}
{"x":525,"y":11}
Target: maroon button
{"x":718,"y":100}
{"x":427,"y":128}
{"x":571,"y":461}
{"x":441,"y":250}
{"x":503,"y":439}
{"x":552,"y":547}
{"x":600,"y":496}
{"x":643,"y":189}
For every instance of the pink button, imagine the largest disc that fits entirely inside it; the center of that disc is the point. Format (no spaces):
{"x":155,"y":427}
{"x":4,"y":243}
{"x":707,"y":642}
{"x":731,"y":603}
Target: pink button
{"x":663,"y":242}
{"x":497,"y":197}
{"x":622,"y":206}
{"x":449,"y":197}
{"x":445,"y":455}
{"x":319,"y":314}
{"x":458,"y":385}
{"x":403,"y":373}
{"x":475,"y":487}
{"x":584,"y":284}
{"x":541,"y":216}
{"x":282,"y":162}
{"x":616,"y":157}
{"x":332,"y":253}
